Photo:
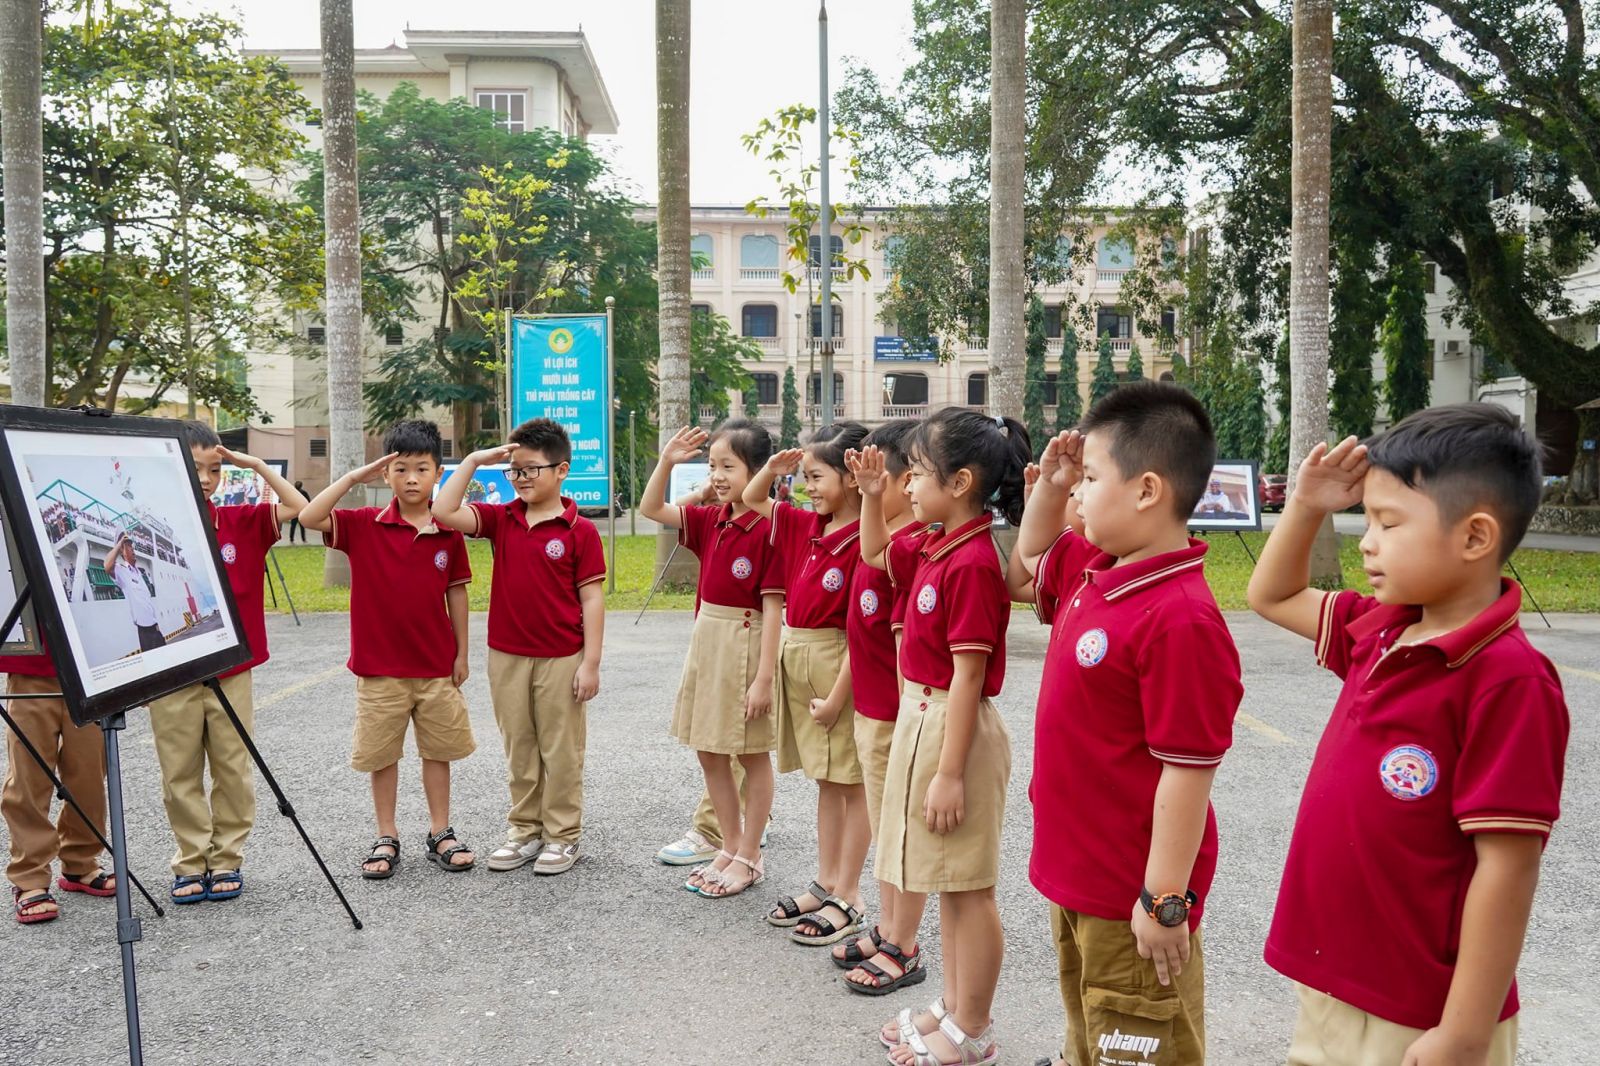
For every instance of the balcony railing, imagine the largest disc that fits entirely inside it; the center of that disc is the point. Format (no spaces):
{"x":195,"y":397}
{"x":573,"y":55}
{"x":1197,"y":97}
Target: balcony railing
{"x":708,"y":414}
{"x":767,"y":344}
{"x":769,"y":412}
{"x":1122,"y":345}
{"x":708,"y":274}
{"x":758,"y":273}
{"x":976,"y":345}
{"x":814,"y":411}
{"x":1052,"y":345}
{"x":839,"y":273}
{"x":1111,"y":277}
{"x":904,"y":410}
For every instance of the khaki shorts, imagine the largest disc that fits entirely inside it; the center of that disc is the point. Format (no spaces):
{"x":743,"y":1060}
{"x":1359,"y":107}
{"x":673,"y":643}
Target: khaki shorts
{"x":1330,"y":1032}
{"x":385,"y":705}
{"x":809,"y":662}
{"x":912,"y":857}
{"x":724,"y":654}
{"x":873,"y":739}
{"x":1118,"y":1012}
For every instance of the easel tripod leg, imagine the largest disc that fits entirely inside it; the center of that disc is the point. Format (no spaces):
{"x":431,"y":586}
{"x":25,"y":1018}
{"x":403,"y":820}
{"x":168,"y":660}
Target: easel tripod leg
{"x":128,"y":932}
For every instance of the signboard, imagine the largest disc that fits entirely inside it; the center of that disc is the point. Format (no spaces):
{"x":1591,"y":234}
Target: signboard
{"x":687,"y":478}
{"x":241,"y":486}
{"x":899,"y":350}
{"x":1232,"y":500}
{"x":559,"y":371}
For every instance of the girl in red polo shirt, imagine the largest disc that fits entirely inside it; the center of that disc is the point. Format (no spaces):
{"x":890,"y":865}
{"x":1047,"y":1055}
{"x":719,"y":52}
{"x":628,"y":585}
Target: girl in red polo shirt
{"x":815,"y":713}
{"x":724,"y":704}
{"x":951,"y":757}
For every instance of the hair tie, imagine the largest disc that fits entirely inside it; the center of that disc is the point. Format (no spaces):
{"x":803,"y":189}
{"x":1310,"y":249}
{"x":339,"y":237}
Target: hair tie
{"x":1000,"y":421}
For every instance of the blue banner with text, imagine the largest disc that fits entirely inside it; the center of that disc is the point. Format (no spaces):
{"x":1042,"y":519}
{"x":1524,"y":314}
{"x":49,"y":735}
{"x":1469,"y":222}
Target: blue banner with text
{"x":559,"y":372}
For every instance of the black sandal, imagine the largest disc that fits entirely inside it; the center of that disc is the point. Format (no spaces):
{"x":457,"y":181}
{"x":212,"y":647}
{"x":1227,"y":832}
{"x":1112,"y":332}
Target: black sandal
{"x":441,"y":859}
{"x":911,"y":972}
{"x":827,"y":930}
{"x":390,"y":861}
{"x":791,"y":910}
{"x":852,"y":956}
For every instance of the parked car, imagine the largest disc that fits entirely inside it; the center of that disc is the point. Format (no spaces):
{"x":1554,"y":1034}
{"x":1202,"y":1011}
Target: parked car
{"x":1273,"y":490}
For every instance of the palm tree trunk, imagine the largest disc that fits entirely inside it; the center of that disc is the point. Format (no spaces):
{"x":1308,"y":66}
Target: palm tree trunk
{"x":672,"y":223}
{"x":342,"y":245}
{"x":22,"y":158}
{"x":1008,"y":31}
{"x":1308,"y":255}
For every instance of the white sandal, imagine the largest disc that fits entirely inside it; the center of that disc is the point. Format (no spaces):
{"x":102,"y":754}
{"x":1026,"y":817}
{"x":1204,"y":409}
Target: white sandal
{"x":719,"y":878}
{"x":981,"y":1050}
{"x":905,"y":1024}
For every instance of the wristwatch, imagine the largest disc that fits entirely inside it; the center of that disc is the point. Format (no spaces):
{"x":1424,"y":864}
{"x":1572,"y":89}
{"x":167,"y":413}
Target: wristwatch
{"x":1169,"y":910}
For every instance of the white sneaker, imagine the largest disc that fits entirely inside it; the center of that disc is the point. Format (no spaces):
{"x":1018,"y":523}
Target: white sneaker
{"x":690,"y":850}
{"x":514,"y":853}
{"x":556,"y":858}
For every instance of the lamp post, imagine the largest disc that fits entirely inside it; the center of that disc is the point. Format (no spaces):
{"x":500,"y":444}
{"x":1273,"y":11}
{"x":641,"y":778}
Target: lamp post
{"x":826,"y":242}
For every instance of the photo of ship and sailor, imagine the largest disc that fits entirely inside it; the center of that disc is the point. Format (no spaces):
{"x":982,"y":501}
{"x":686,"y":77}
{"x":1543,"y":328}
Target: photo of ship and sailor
{"x":135,"y":576}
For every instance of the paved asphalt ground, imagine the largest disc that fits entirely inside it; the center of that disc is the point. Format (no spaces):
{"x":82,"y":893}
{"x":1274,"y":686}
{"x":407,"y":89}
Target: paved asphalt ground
{"x":612,"y":962}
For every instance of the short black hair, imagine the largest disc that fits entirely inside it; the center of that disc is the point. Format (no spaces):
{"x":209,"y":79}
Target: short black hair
{"x":544,"y":435}
{"x":996,"y":449}
{"x":1466,"y":456}
{"x":894,"y":441}
{"x":1159,"y":427}
{"x":829,"y":443}
{"x":200,"y":435}
{"x":414,"y":436}
{"x":749,"y":440}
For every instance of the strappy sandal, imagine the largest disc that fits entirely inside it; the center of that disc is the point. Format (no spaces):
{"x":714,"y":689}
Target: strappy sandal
{"x":852,"y":956}
{"x":442,"y":859}
{"x":758,"y":874}
{"x":203,"y":880}
{"x":905,"y":1024}
{"x":224,"y":877}
{"x":391,"y":862}
{"x":703,"y":872}
{"x":791,"y":910}
{"x":826,"y":931}
{"x":884,"y":982}
{"x":973,"y":1050}
{"x":38,"y":898}
{"x":92,"y":885}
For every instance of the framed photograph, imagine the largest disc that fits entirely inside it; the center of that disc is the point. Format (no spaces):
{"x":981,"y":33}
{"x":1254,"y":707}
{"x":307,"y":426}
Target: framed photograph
{"x":490,"y":484}
{"x":1232,"y":500}
{"x":241,"y":486}
{"x":24,"y":636}
{"x":687,"y":478}
{"x":115,"y":543}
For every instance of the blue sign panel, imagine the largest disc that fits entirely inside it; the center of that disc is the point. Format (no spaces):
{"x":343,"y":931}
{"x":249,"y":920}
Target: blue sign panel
{"x":899,"y":350}
{"x":559,"y":372}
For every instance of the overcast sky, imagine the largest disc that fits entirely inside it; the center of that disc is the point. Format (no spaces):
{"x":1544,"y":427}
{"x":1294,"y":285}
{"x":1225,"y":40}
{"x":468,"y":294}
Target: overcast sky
{"x":750,"y":57}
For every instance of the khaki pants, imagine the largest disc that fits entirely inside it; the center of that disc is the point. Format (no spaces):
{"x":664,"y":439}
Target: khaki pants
{"x":544,"y":728}
{"x":705,"y":819}
{"x":192,"y":730}
{"x":1330,"y":1032}
{"x":77,"y":755}
{"x":1118,"y":1013}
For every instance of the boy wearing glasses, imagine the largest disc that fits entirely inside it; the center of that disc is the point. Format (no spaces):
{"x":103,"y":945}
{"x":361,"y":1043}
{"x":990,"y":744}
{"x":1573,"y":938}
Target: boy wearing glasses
{"x":546,"y":623}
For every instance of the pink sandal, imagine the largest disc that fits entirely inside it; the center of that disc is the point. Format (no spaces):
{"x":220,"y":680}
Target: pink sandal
{"x":981,"y":1050}
{"x":758,"y":874}
{"x":700,"y":875}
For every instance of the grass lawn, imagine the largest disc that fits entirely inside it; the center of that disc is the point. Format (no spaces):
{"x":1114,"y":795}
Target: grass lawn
{"x":1561,"y":581}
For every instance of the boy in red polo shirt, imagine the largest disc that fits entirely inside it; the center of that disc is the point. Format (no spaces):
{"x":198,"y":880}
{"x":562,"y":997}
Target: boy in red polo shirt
{"x":547,"y":613}
{"x":408,"y":637}
{"x":1126,"y":745}
{"x":191,"y":731}
{"x":1444,"y":756}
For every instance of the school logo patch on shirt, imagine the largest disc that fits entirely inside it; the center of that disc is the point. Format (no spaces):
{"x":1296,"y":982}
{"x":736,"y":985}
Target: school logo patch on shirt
{"x":927,"y":599}
{"x":229,"y":554}
{"x":869,"y":602}
{"x":555,"y":549}
{"x":833,"y":580}
{"x":441,"y":559}
{"x":1092,"y":647}
{"x":1408,"y":772}
{"x":742,"y":568}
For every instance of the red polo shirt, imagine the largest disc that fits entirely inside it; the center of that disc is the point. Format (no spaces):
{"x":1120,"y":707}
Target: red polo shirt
{"x":737,"y":560}
{"x":816,"y":569}
{"x":958,"y":602}
{"x":244,"y":534}
{"x":869,"y":634}
{"x":1073,"y":553}
{"x":1141,"y":672}
{"x":39,"y":665}
{"x":1429,"y":744}
{"x":399,"y":624}
{"x":533,"y":593}
{"x":901,"y":569}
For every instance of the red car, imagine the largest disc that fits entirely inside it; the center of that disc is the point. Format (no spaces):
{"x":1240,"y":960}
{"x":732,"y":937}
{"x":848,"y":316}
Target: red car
{"x":1273,"y":490}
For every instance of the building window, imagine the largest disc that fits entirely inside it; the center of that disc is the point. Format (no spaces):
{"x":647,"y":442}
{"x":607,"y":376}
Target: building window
{"x":766,"y":389}
{"x":977,"y":390}
{"x":816,"y":321}
{"x":700,"y":252}
{"x":1113,"y":322}
{"x":814,"y":389}
{"x":447,"y":448}
{"x":893,"y":249}
{"x":760,"y":320}
{"x":1430,"y":278}
{"x":510,"y":109}
{"x":319,"y":447}
{"x":1169,"y":323}
{"x":905,"y":390}
{"x":1116,"y":254}
{"x":758,"y":252}
{"x":1061,"y":257}
{"x":314,"y":118}
{"x":1047,"y":388}
{"x":394,"y":336}
{"x":1052,"y":320}
{"x":837,"y":244}
{"x":317,"y":334}
{"x":701,"y":311}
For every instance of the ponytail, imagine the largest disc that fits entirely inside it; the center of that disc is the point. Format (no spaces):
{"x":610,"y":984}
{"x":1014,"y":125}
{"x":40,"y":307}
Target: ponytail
{"x":1008,"y":496}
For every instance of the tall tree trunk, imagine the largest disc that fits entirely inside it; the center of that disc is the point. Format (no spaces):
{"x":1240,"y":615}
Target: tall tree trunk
{"x":1308,"y":256}
{"x":1008,"y":33}
{"x":672,"y":222}
{"x":22,"y":157}
{"x":342,"y":243}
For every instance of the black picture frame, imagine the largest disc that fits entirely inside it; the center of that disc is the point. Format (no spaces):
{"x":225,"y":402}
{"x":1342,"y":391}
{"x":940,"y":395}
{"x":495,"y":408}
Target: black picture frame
{"x":1232,"y":521}
{"x":91,"y":698}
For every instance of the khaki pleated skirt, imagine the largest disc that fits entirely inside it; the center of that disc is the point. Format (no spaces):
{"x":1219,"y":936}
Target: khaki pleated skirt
{"x":724,"y":654}
{"x":809,"y":661}
{"x":913,"y":857}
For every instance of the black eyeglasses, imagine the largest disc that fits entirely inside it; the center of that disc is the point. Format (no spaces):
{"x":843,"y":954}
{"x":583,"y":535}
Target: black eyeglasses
{"x":529,"y":473}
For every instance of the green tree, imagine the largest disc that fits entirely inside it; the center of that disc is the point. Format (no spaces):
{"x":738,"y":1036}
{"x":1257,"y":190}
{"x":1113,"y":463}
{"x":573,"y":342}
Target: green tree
{"x":1180,"y":368}
{"x":1358,"y":309}
{"x":789,"y":430}
{"x":752,"y":403}
{"x":1135,"y":369}
{"x":1278,"y":441}
{"x":1069,"y":400}
{"x":1033,"y":393}
{"x":1104,"y":381}
{"x":1405,"y":340}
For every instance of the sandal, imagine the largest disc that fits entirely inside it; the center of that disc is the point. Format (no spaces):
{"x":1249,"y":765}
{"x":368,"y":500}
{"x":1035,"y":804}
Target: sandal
{"x":883,"y":982}
{"x":391,"y":862}
{"x":970,"y":1050}
{"x":826,"y":931}
{"x":758,"y":874}
{"x":38,"y":898}
{"x":899,"y":1031}
{"x":442,"y":859}
{"x":235,"y":877}
{"x":791,"y":910}
{"x":94,"y":886}
{"x":852,"y":956}
{"x":701,"y":874}
{"x":184,"y":881}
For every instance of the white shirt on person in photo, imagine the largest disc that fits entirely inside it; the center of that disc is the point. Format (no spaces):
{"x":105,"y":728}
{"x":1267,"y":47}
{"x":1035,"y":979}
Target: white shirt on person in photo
{"x":141,"y":604}
{"x":1217,"y":499}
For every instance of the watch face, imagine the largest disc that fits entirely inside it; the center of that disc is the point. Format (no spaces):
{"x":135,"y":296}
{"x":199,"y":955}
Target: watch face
{"x":1171,"y":911}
